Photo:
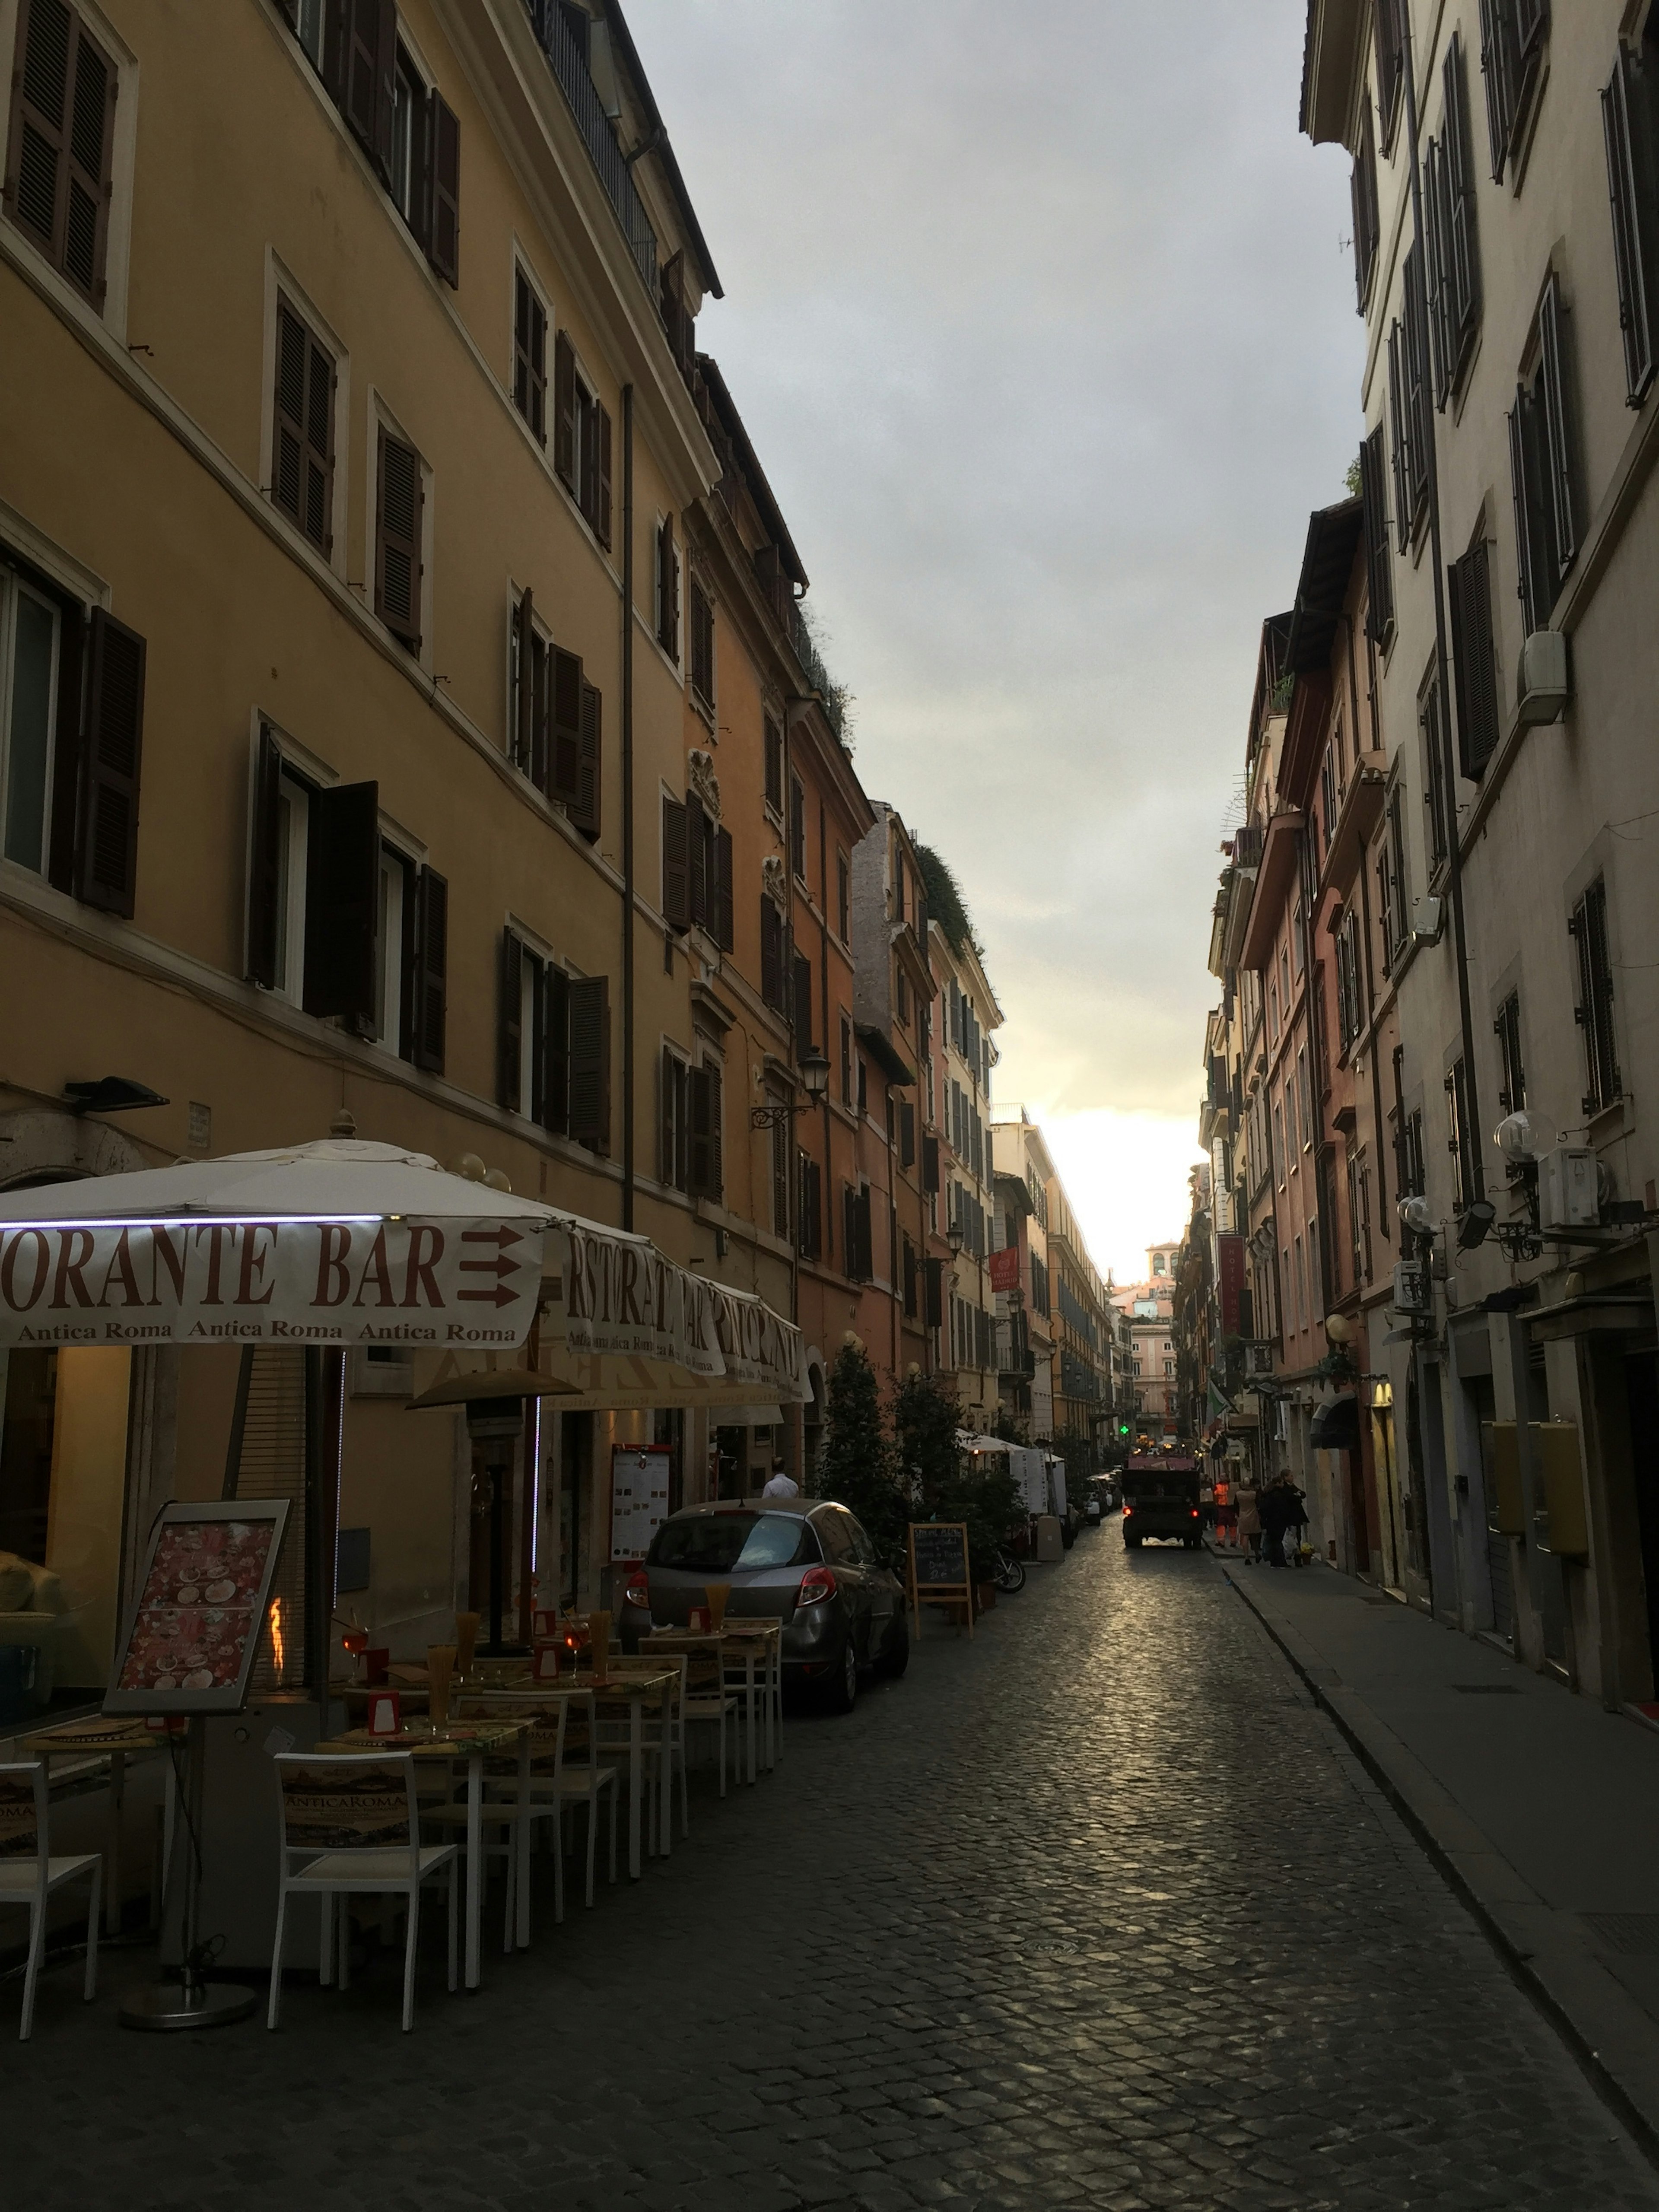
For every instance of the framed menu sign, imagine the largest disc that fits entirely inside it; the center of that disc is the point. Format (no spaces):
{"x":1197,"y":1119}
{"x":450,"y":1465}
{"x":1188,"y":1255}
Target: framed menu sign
{"x":193,"y":1635}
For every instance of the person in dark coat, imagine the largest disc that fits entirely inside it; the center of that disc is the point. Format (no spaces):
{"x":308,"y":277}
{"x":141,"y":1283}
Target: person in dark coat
{"x":1277,"y":1507}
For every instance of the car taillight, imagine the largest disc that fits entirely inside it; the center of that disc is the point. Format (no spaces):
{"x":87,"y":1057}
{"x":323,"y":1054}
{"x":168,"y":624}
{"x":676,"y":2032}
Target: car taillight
{"x":1194,"y":1512}
{"x":637,"y":1590}
{"x":1127,"y":1511}
{"x":817,"y":1584}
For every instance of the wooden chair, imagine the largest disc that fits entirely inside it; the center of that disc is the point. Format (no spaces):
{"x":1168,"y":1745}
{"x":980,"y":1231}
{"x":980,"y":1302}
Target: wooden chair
{"x":354,"y":1821}
{"x":29,"y":1874}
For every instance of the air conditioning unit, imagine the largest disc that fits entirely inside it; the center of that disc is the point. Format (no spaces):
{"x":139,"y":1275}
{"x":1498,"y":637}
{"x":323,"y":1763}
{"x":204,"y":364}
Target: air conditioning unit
{"x":1429,"y":921}
{"x":1413,"y":1293}
{"x":1568,"y":1197}
{"x":1544,"y":685}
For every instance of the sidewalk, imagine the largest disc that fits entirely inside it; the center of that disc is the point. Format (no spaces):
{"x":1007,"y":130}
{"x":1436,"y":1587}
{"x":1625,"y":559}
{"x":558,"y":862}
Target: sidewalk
{"x":1541,"y":1809}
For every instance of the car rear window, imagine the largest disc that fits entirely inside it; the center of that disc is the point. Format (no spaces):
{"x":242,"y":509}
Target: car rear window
{"x":716,"y":1543}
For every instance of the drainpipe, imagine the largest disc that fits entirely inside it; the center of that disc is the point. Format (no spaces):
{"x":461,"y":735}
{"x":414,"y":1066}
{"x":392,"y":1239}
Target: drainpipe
{"x":1453,"y":858}
{"x":627,"y":802}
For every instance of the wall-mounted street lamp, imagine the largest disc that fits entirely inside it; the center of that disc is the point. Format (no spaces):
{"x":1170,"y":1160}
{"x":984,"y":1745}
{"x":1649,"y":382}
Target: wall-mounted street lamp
{"x":953,"y":1238}
{"x":815,"y":1081}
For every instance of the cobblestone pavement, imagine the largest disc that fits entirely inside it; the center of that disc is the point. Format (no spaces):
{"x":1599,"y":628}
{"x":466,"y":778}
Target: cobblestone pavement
{"x":1092,"y":1911}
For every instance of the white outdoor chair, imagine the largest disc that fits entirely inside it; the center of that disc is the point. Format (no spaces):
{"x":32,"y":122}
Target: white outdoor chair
{"x":29,"y":1874}
{"x":354,"y":1821}
{"x":546,"y":1753}
{"x":664,"y":1742}
{"x":705,"y":1700}
{"x":581,"y":1780}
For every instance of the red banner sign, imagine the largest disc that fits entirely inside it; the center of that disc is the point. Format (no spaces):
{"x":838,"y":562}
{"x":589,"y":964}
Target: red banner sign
{"x":1005,"y":1268}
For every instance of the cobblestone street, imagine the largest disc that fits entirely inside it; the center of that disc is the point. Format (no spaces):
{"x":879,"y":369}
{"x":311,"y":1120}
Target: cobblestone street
{"x":1095,"y":1909}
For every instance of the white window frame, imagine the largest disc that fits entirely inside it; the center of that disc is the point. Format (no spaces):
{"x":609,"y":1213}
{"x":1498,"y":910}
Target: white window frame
{"x":13,"y":588}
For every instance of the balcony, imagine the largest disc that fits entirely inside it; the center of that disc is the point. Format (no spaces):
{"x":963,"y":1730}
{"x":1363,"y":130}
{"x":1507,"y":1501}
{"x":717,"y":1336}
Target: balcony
{"x":1273,"y":886}
{"x":564,"y":59}
{"x":818,"y":676}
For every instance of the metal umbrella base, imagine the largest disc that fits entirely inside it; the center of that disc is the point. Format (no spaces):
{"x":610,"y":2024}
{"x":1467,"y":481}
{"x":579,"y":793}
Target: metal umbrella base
{"x":164,"y":2005}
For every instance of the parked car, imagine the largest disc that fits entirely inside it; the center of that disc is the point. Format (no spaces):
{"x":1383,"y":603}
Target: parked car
{"x":804,"y":1561}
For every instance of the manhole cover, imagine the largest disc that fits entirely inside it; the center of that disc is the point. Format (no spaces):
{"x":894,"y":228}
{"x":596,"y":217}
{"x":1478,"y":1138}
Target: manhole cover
{"x":1635,"y":1934}
{"x":1488,"y":1689}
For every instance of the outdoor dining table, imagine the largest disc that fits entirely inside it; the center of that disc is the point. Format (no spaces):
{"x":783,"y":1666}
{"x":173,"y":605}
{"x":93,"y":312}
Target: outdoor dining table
{"x":116,"y":1740}
{"x":636,"y":1691}
{"x":474,"y":1740}
{"x":752,"y":1645}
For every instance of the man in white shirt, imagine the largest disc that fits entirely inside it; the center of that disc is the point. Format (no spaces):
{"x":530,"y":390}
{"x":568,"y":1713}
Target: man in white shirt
{"x":778,"y":1485}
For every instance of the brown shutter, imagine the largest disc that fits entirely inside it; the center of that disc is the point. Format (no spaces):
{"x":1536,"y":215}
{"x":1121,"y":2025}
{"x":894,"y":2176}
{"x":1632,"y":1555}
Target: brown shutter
{"x":584,"y":813}
{"x":336,"y":49}
{"x":443,"y":249}
{"x":91,"y":135}
{"x":432,"y":955}
{"x":362,"y":100}
{"x":668,"y":590}
{"x":343,"y":900}
{"x":697,"y":1096}
{"x":398,"y":505}
{"x":302,"y":456}
{"x":1475,"y":660}
{"x":801,"y":1003}
{"x":715,"y":1187}
{"x":524,"y":704}
{"x":721,"y":926}
{"x":70,"y":749}
{"x":771,"y":955}
{"x":264,"y":888}
{"x":907,"y":1134}
{"x":566,"y":749}
{"x":107,"y":855}
{"x":668,"y":1121}
{"x":676,"y":875}
{"x":930,"y":1163}
{"x":601,"y":516}
{"x":58,"y":179}
{"x":590,"y":1060}
{"x":555,"y":1050}
{"x":697,"y":855}
{"x":564,"y":411}
{"x":509,"y":1027}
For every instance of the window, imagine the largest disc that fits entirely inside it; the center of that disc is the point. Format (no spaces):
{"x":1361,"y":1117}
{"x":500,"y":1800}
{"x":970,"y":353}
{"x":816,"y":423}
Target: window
{"x":844,"y":899}
{"x":60,"y":141}
{"x":1304,"y":1103}
{"x":1436,"y":798}
{"x":1391,"y":882}
{"x":774,"y":975}
{"x":797,"y":829}
{"x":703,"y":646}
{"x":530,"y":356}
{"x":302,"y":454}
{"x":1328,"y":800}
{"x":555,"y":720}
{"x":1543,"y":464}
{"x":1453,"y":262}
{"x":1278,"y":1140}
{"x":1474,"y":654}
{"x":1298,"y":934}
{"x":809,"y":1241}
{"x":1629,"y":130}
{"x":1412,"y":1161}
{"x":901,"y":996}
{"x":1594,"y":1014}
{"x":396,"y":901}
{"x":1460,"y":1136}
{"x":691,"y":1117}
{"x":1512,"y":1088}
{"x":800,"y":1005}
{"x":857,"y":1242}
{"x":1359,"y":1217}
{"x":534,"y":1037}
{"x":399,"y":509}
{"x":697,"y":871}
{"x":581,"y":458}
{"x":668,"y":590}
{"x":30,"y":626}
{"x":846,"y":1061}
{"x":909,"y":1278}
{"x":1367,"y":225}
{"x":1379,"y":571}
{"x":1512,"y":36}
{"x":1410,"y":417}
{"x":774,"y":767}
{"x":409,"y":177}
{"x":1301,"y":1286}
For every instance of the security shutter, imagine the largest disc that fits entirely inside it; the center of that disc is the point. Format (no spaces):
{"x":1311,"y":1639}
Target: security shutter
{"x":1476,"y":665}
{"x":590,"y":1060}
{"x":432,"y":969}
{"x":60,"y":143}
{"x":444,"y":229}
{"x":264,"y":863}
{"x":584,"y":808}
{"x":509,"y":1028}
{"x":108,"y":858}
{"x":399,"y":508}
{"x":566,"y":749}
{"x":676,"y":896}
{"x":564,"y":411}
{"x":721,"y":926}
{"x":342,"y":899}
{"x":302,"y":457}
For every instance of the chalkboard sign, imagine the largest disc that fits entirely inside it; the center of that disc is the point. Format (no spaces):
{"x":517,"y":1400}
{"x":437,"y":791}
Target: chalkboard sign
{"x":939,"y":1572}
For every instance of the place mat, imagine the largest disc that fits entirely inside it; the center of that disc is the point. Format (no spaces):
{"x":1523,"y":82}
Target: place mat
{"x":97,"y":1734}
{"x":459,"y":1740}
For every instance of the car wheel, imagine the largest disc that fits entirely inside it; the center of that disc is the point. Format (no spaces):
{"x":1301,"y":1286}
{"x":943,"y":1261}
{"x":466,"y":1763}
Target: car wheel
{"x":843,"y":1693}
{"x":896,"y":1657}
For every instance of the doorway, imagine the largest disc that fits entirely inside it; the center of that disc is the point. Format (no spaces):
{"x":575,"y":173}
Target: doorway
{"x":1642,"y":1385}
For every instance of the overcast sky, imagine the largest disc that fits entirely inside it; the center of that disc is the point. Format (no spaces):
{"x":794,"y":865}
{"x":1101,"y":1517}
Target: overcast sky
{"x":1041,"y":316}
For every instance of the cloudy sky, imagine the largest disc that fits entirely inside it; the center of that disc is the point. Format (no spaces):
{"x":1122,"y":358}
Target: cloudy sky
{"x":1041,"y":316}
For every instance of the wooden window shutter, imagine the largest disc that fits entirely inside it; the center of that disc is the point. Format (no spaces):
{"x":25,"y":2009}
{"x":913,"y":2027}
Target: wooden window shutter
{"x":849,"y":1230}
{"x":564,"y":411}
{"x":565,"y":752}
{"x":716,"y":1187}
{"x":336,"y":66}
{"x":555,"y":1111}
{"x":668,"y":590}
{"x":524,"y":681}
{"x":800,"y":1005}
{"x":774,"y":766}
{"x":107,"y":855}
{"x":585,"y":811}
{"x":1379,"y":574}
{"x":509,"y":1026}
{"x":302,"y":458}
{"x":343,"y":900}
{"x":444,"y":226}
{"x":697,"y":843}
{"x":432,"y":969}
{"x":1462,"y":254}
{"x":1629,"y":130}
{"x":399,"y":507}
{"x":264,"y":864}
{"x":70,"y":751}
{"x":771,"y":955}
{"x":671,"y":1118}
{"x":61,"y":140}
{"x":907,"y":1134}
{"x":1476,"y":665}
{"x":368,"y":87}
{"x":705,"y":1090}
{"x":601,"y":514}
{"x":530,"y":357}
{"x":590,"y":1060}
{"x":676,"y":866}
{"x":930,"y":1163}
{"x":1528,"y":565}
{"x":1553,"y":321}
{"x":721,"y":918}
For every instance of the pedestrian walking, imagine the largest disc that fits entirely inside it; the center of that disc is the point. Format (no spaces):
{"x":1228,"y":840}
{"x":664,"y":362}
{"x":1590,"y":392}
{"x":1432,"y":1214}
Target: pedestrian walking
{"x":1277,"y":1508}
{"x":1250,"y":1525}
{"x":777,"y":1484}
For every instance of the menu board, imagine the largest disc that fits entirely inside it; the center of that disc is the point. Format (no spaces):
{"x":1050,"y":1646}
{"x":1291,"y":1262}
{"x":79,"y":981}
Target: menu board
{"x":639,"y":1500}
{"x":193,"y":1634}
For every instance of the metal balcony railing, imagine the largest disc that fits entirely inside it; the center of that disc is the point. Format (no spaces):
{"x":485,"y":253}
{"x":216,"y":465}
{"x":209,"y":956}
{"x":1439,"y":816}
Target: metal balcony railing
{"x":566,"y":60}
{"x":818,"y":676}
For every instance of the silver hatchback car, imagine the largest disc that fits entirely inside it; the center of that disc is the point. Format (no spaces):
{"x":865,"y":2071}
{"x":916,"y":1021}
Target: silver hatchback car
{"x":803,"y":1561}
